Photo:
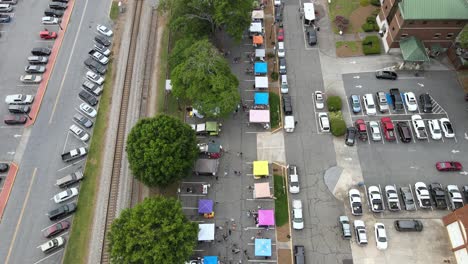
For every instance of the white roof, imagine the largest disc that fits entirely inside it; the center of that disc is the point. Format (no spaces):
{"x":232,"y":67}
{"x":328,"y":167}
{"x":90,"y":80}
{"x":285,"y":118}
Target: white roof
{"x":256,"y":27}
{"x":309,"y":11}
{"x":257,"y":14}
{"x":261,"y":82}
{"x":168,"y":85}
{"x":206,"y":232}
{"x":260,"y":53}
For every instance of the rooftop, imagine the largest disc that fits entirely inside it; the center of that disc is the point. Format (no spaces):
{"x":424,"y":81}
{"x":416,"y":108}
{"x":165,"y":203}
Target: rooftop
{"x":434,"y":9}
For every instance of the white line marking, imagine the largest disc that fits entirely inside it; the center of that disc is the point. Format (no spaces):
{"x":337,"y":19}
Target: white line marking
{"x":58,"y":251}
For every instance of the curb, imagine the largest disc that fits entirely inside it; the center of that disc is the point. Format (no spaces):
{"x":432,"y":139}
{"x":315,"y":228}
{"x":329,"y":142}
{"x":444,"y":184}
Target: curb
{"x":7,"y":186}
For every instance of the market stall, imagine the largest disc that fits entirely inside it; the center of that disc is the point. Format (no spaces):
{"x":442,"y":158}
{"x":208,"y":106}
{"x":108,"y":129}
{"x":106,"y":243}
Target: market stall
{"x":260,"y":169}
{"x":260,"y":54}
{"x":260,"y":68}
{"x":212,"y":149}
{"x":210,"y":260}
{"x":261,"y":98}
{"x":260,"y":116}
{"x":206,"y":232}
{"x":266,"y":218}
{"x":262,"y":247}
{"x":256,"y":28}
{"x":258,"y":15}
{"x":205,"y":208}
{"x":262,"y":190}
{"x":257,"y":40}
{"x":261,"y":82}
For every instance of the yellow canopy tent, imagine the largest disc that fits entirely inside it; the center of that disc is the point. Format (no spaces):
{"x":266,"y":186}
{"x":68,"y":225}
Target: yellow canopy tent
{"x":260,"y":168}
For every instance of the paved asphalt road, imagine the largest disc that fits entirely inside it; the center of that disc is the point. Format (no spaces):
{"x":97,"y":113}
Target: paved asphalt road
{"x":41,"y":165}
{"x":311,"y":152}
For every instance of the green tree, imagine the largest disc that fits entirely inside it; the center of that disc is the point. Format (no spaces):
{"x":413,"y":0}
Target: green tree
{"x":154,"y":231}
{"x":463,"y":38}
{"x":161,"y":150}
{"x":204,"y":78}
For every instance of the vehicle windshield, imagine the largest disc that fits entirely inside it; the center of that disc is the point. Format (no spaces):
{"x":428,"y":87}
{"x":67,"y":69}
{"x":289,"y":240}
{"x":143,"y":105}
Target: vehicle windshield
{"x":382,"y":239}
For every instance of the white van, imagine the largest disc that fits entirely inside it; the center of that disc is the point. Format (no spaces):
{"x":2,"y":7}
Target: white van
{"x":284,"y":84}
{"x":6,"y":8}
{"x":281,"y":50}
{"x":289,"y":124}
{"x":369,"y":104}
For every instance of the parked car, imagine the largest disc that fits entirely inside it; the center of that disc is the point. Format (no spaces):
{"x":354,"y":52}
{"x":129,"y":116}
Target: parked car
{"x":287,"y":105}
{"x":70,"y":179}
{"x":382,"y":102}
{"x":408,"y":225}
{"x":369,"y":104}
{"x":58,"y":5}
{"x":281,"y":51}
{"x":393,"y":202}
{"x":361,"y":128}
{"x":388,"y":128}
{"x":52,"y":244}
{"x":408,"y":199}
{"x":19,"y":99}
{"x":88,"y":98}
{"x":355,"y":102}
{"x":297,"y":221}
{"x":56,"y":229}
{"x":35,"y":69}
{"x":299,"y":252}
{"x":102,"y":49}
{"x":380,"y":236}
{"x":434,"y":129}
{"x":281,"y":34}
{"x":396,"y":99}
{"x":53,"y":12}
{"x":88,"y":110}
{"x":62,"y":211}
{"x":375,"y":199}
{"x":95,"y":66}
{"x":282,"y":66}
{"x":4,"y":167}
{"x":41,"y":51}
{"x":438,"y":195}
{"x":14,"y":119}
{"x":455,"y":198}
{"x":19,"y":109}
{"x":45,"y":34}
{"x":404,"y":131}
{"x":389,"y":75}
{"x":77,"y":131}
{"x":419,"y":127}
{"x":448,"y":166}
{"x":94,"y":77}
{"x":465,"y":192}
{"x":345,"y":227}
{"x":324,"y":122}
{"x":104,"y":30}
{"x":102,"y":40}
{"x":447,"y":128}
{"x":311,"y":34}
{"x":35,"y":60}
{"x":350,"y":136}
{"x":65,"y":195}
{"x":360,"y":230}
{"x":293,"y":179}
{"x":99,"y":57}
{"x":411,"y":102}
{"x":92,"y":87}
{"x":319,"y":98}
{"x":422,"y":194}
{"x":48,"y":20}
{"x":425,"y":102}
{"x":5,"y":18}
{"x":355,"y":202}
{"x":81,"y":120}
{"x":30,"y":78}
{"x":6,"y":8}
{"x":375,"y":131}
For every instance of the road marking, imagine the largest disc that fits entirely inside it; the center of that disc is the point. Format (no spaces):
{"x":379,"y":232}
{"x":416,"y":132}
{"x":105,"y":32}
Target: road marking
{"x":356,"y":77}
{"x":464,"y":173}
{"x":21,"y":216}
{"x":73,"y":164}
{"x":66,"y":140}
{"x":189,"y":208}
{"x":53,"y":254}
{"x":454,"y":151}
{"x":193,"y":195}
{"x":68,"y":64}
{"x":17,"y":135}
{"x":466,"y":136}
{"x":27,"y":85}
{"x":11,"y":152}
{"x":358,"y":86}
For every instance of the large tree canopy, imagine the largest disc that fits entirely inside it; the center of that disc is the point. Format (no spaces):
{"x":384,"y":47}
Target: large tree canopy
{"x":154,"y":231}
{"x":203,"y":76}
{"x":161,"y":150}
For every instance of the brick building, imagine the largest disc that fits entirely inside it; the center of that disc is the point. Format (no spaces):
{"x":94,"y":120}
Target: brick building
{"x":457,"y":227}
{"x":430,"y":21}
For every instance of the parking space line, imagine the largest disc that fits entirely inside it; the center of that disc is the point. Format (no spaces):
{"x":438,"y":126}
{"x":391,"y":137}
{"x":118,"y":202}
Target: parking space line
{"x":27,"y":85}
{"x":412,"y":196}
{"x":73,"y":164}
{"x":189,"y":208}
{"x":48,"y":256}
{"x":66,"y":141}
{"x":193,"y":195}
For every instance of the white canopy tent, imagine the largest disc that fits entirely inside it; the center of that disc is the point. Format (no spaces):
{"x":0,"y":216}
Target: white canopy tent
{"x":256,"y":27}
{"x":258,"y":14}
{"x":261,"y":82}
{"x":206,"y":232}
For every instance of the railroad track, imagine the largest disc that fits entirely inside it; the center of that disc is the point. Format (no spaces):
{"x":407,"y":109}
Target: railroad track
{"x":120,"y":139}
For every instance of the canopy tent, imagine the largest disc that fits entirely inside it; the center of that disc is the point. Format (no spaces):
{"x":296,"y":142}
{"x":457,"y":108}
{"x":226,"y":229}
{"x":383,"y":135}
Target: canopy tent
{"x":258,"y":14}
{"x":256,"y":27}
{"x":261,"y":82}
{"x":262,"y":190}
{"x":206,"y":232}
{"x":260,"y":168}
{"x":261,"y":98}
{"x":258,"y":40}
{"x":210,"y":147}
{"x":262,"y":247}
{"x":259,"y":116}
{"x":168,"y":86}
{"x":210,"y":260}
{"x":260,"y":53}
{"x":413,"y":50}
{"x":261,"y":68}
{"x":266,"y":218}
{"x":205,"y":206}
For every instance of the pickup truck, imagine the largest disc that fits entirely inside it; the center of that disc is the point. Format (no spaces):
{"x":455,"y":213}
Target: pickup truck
{"x":99,"y":57}
{"x":70,"y":179}
{"x":355,"y":202}
{"x":423,"y":195}
{"x":456,"y":200}
{"x":419,"y":127}
{"x":74,"y":154}
{"x":375,"y":199}
{"x":392,"y":198}
{"x":438,"y":195}
{"x":19,"y":99}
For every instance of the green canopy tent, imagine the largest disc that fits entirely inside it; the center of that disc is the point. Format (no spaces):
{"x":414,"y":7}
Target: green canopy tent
{"x":413,"y":50}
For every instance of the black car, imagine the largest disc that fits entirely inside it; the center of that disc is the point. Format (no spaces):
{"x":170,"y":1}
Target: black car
{"x":95,"y":66}
{"x":41,"y":51}
{"x":63,"y":1}
{"x":311,"y":36}
{"x":53,"y":12}
{"x":350,"y":136}
{"x":408,"y":225}
{"x":278,"y":14}
{"x":4,"y":18}
{"x":404,"y":131}
{"x":425,"y":102}
{"x":88,"y":98}
{"x":282,"y":66}
{"x":82,"y":120}
{"x":299,"y":254}
{"x":389,"y":75}
{"x":4,"y":167}
{"x":396,"y":99}
{"x":15,"y":119}
{"x":58,"y":5}
{"x":287,"y":105}
{"x":102,"y":40}
{"x":62,"y":211}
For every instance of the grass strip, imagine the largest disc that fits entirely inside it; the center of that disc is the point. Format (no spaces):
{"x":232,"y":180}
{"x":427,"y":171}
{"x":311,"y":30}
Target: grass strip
{"x":77,"y":244}
{"x":274,"y":110}
{"x":281,"y":202}
{"x":114,"y":12}
{"x":163,"y":58}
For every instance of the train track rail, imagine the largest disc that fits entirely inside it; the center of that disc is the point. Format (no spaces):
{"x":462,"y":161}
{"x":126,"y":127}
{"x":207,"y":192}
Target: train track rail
{"x":122,"y":125}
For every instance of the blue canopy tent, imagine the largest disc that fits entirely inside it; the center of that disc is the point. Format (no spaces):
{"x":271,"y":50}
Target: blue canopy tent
{"x":261,"y":98}
{"x":205,"y":206}
{"x":210,"y":260}
{"x":261,"y":68}
{"x":262,"y":247}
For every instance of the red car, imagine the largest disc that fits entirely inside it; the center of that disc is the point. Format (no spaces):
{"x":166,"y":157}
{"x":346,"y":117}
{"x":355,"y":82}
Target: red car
{"x":448,"y":166}
{"x":281,"y":34}
{"x":14,"y":119}
{"x":361,"y":129}
{"x":56,"y":229}
{"x":388,"y":128}
{"x":48,"y":34}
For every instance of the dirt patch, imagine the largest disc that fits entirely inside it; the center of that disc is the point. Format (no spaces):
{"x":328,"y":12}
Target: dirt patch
{"x":359,"y":16}
{"x":349,"y":49}
{"x":284,"y":256}
{"x":282,"y":233}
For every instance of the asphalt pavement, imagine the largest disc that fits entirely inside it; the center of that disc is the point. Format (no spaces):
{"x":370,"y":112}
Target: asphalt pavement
{"x":38,"y":154}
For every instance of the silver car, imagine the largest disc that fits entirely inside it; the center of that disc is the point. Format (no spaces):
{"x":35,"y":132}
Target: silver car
{"x":408,"y":198}
{"x":382,"y":102}
{"x":375,"y":131}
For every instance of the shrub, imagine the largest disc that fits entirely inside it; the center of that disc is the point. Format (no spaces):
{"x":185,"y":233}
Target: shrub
{"x":364,"y":2}
{"x":371,"y":45}
{"x":337,"y":124}
{"x":367,"y":27}
{"x":375,"y":2}
{"x":274,"y":76}
{"x":270,"y":55}
{"x":334,"y":103}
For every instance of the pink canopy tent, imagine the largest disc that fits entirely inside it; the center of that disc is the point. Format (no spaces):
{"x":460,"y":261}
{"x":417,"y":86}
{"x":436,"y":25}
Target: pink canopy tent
{"x":262,"y":190}
{"x":266,"y":217}
{"x":259,"y":116}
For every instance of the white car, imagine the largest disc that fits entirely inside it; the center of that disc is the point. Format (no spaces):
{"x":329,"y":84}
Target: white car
{"x":65,"y":195}
{"x":47,"y":20}
{"x":19,"y":99}
{"x":52,"y":244}
{"x":88,"y":110}
{"x":411,"y":102}
{"x":82,"y":135}
{"x":102,"y":49}
{"x":375,"y":131}
{"x":293,"y":179}
{"x":355,"y":202}
{"x":277,"y":2}
{"x":434,"y":129}
{"x":281,"y":50}
{"x":380,"y":236}
{"x":298,"y":221}
{"x":319,"y":100}
{"x":104,"y":30}
{"x":94,"y":77}
{"x":29,"y":78}
{"x":447,"y":128}
{"x":324,"y":122}
{"x":393,"y":202}
{"x":375,"y":199}
{"x":99,"y":57}
{"x":369,"y":104}
{"x":360,"y":230}
{"x":422,"y":194}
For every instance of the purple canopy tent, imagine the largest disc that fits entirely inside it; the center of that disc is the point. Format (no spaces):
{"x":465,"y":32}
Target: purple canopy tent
{"x":205,"y":206}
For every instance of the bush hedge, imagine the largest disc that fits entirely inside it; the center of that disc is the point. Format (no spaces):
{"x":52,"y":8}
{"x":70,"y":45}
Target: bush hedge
{"x":370,"y":25}
{"x":334,"y":103}
{"x":371,"y":45}
{"x":274,"y":76}
{"x":375,"y":2}
{"x":337,"y":124}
